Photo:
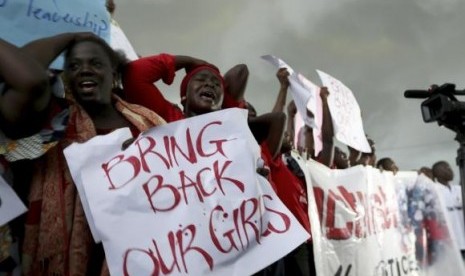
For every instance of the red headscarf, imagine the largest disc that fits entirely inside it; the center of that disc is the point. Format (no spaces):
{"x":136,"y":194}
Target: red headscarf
{"x":210,"y":67}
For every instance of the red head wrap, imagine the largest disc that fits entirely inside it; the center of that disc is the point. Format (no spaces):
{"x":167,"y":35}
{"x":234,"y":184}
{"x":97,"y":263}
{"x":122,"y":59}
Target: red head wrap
{"x":194,"y":71}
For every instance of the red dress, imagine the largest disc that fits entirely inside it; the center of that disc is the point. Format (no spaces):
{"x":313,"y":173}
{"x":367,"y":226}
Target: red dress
{"x":138,"y":80}
{"x":288,"y":187}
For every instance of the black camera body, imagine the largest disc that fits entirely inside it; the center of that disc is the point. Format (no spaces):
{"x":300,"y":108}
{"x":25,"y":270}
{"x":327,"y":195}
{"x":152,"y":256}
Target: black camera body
{"x":441,"y":105}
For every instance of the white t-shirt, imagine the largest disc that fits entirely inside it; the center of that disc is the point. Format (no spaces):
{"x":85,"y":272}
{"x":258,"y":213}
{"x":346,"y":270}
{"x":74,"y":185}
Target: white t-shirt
{"x":451,"y":198}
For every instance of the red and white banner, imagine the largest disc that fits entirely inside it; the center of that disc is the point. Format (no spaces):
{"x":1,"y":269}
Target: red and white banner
{"x":184,"y":198}
{"x":365,"y":222}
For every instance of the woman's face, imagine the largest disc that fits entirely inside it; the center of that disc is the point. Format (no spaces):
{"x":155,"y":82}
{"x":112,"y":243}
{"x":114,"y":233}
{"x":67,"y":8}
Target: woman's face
{"x":89,"y":73}
{"x":204,"y":92}
{"x":340,"y":159}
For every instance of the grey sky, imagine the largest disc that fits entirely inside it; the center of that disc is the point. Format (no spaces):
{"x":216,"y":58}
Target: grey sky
{"x":378,"y":48}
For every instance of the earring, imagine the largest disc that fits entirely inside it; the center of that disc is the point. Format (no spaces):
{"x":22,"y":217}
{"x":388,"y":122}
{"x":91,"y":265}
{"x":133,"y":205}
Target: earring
{"x":115,"y":84}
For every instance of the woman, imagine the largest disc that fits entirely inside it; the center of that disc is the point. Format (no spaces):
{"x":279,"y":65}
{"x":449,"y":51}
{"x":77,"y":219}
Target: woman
{"x":202,"y":90}
{"x":57,"y":240}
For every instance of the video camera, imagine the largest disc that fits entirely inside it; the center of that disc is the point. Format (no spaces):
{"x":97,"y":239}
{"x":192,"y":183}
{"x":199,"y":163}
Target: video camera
{"x":441,"y":105}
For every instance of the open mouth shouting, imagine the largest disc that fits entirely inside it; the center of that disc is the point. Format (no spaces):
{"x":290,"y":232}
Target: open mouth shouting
{"x":87,"y":87}
{"x":208,"y":95}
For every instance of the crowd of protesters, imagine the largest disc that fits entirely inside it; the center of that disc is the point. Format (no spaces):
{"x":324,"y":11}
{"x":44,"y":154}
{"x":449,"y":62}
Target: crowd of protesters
{"x":42,"y":111}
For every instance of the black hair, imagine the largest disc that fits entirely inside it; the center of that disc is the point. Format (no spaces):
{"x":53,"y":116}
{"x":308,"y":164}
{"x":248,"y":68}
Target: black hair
{"x":383,"y":162}
{"x":117,"y":58}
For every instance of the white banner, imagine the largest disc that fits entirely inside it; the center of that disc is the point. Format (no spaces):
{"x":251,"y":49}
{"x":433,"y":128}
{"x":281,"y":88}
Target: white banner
{"x":345,"y":112}
{"x":10,"y":204}
{"x":371,"y":223}
{"x":184,"y":198}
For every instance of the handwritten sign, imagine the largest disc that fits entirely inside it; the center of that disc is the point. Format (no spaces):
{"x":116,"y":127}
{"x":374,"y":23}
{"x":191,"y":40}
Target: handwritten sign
{"x":22,"y":21}
{"x":185,"y":198}
{"x":10,"y":204}
{"x":345,"y":112}
{"x":303,"y":91}
{"x":368,"y":223}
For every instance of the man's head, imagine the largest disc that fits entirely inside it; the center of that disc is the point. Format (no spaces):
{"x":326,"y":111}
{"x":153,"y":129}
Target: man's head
{"x":340,"y":159}
{"x":428,"y":172}
{"x":387,"y":164}
{"x":442,"y":172}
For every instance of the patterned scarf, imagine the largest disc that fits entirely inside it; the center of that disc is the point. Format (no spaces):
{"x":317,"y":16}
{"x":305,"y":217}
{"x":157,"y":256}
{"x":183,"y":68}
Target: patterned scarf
{"x":57,"y":237}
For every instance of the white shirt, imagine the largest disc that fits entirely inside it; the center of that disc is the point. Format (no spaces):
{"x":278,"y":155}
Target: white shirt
{"x":451,"y":198}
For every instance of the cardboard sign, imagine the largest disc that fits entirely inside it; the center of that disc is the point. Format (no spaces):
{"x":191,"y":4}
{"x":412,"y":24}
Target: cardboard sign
{"x":184,"y":198}
{"x":345,"y":112}
{"x":10,"y":204}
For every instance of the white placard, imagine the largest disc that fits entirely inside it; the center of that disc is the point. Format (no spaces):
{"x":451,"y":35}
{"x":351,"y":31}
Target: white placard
{"x":345,"y":112}
{"x":303,"y":91}
{"x":185,"y":198}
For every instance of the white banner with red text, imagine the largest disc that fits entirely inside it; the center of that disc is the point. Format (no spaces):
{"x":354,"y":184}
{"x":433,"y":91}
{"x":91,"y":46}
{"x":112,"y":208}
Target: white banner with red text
{"x":184,"y":198}
{"x":368,"y":223}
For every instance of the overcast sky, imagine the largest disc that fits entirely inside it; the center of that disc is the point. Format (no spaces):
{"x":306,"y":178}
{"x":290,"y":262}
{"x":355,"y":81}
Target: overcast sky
{"x":378,"y":48}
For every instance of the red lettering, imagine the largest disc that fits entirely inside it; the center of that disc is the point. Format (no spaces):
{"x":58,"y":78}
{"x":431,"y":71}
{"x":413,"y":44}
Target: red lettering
{"x":228,"y":234}
{"x":172,"y":242}
{"x":199,"y":181}
{"x":366,"y":223}
{"x":285,"y":220}
{"x":319,"y":199}
{"x":189,"y":232}
{"x":180,"y":243}
{"x":332,"y":232}
{"x":191,"y":157}
{"x":131,"y":160}
{"x":185,"y":186}
{"x":149,"y":253}
{"x":246,"y":219}
{"x":220,"y":178}
{"x":247,"y":226}
{"x":167,"y":190}
{"x":350,"y":200}
{"x":149,"y":149}
{"x":218,"y":143}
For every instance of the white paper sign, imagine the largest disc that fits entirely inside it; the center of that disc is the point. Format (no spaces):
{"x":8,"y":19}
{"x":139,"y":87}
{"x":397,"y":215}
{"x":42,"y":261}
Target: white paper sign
{"x":10,"y":204}
{"x":345,"y":112}
{"x":185,"y":198}
{"x":303,"y":91}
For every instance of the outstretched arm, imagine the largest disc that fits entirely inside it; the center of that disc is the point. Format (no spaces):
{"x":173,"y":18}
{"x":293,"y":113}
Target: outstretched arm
{"x":282,"y":76}
{"x":327,"y":132}
{"x":291,"y":112}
